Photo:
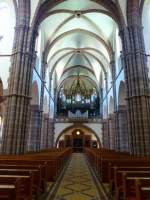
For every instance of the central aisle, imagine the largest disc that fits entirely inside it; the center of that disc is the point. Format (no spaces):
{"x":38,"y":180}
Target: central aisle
{"x":77,"y":182}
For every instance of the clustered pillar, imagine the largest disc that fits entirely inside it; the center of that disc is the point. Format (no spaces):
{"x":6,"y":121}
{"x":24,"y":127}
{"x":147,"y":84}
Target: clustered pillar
{"x":109,"y":132}
{"x":122,"y":140}
{"x":47,"y":132}
{"x":51,"y":133}
{"x":34,"y":137}
{"x":132,"y":121}
{"x":44,"y":138}
{"x":105,"y":131}
{"x":136,"y":76}
{"x":112,"y":132}
{"x":18,"y":101}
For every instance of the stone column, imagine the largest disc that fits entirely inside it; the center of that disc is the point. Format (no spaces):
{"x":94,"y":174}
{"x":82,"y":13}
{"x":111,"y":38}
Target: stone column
{"x":55,"y":103}
{"x":44,"y":117}
{"x":136,"y":76}
{"x":122,"y":139}
{"x":45,"y":131}
{"x":105,"y":133}
{"x":43,"y":71}
{"x":51,"y":134}
{"x":101,"y":102}
{"x":34,"y":128}
{"x":111,"y":129}
{"x":106,"y":83}
{"x":18,"y":100}
{"x":113,"y":72}
{"x":47,"y":138}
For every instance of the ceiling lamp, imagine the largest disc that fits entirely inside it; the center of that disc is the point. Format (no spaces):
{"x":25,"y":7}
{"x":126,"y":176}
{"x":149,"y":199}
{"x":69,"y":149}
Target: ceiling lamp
{"x":78,"y":133}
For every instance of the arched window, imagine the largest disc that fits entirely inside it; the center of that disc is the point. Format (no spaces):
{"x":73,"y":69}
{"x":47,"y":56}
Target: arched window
{"x":35,"y":94}
{"x":118,"y":51}
{"x":7,"y":24}
{"x":146,"y":30}
{"x":94,"y":96}
{"x":38,"y":50}
{"x":38,"y":44}
{"x":5,"y":20}
{"x":111,"y":105}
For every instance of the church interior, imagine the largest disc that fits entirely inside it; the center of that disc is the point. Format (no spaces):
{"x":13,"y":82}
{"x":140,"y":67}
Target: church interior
{"x":74,"y":99}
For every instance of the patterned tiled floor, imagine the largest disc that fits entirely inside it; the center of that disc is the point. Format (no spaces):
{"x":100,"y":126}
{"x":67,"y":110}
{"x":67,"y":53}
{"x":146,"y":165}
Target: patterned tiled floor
{"x":77,"y":183}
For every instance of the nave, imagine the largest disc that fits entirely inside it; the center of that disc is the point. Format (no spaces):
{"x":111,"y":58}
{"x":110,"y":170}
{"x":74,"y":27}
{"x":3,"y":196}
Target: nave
{"x":60,"y":174}
{"x":74,"y":78}
{"x":75,"y":66}
{"x":77,"y":182}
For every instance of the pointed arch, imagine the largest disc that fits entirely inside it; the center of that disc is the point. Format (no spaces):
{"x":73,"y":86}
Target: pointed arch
{"x":72,"y":127}
{"x":45,"y":105}
{"x":111,"y":105}
{"x":35,"y":94}
{"x":122,"y":94}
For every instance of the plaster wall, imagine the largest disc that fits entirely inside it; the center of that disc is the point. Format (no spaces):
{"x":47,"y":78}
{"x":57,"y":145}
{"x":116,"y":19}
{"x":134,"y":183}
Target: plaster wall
{"x":60,"y":127}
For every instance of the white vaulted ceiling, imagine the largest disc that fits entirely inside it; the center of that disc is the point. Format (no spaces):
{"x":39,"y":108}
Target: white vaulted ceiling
{"x":78,"y":39}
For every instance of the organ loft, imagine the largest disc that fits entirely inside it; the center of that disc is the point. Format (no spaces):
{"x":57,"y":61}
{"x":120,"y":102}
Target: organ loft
{"x":74,"y":99}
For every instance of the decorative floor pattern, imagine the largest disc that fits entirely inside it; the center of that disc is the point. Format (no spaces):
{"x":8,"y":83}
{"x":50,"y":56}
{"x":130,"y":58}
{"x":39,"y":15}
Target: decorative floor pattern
{"x":77,"y":183}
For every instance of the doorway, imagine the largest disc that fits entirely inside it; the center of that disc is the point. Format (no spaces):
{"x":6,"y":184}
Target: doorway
{"x":77,"y":144}
{"x":77,"y":140}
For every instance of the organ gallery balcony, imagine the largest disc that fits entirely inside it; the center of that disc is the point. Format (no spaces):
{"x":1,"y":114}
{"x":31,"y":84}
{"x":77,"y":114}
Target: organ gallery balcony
{"x":63,"y":119}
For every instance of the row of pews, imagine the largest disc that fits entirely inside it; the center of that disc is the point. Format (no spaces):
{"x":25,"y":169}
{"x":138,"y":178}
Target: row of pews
{"x":25,"y":177}
{"x":123,"y":176}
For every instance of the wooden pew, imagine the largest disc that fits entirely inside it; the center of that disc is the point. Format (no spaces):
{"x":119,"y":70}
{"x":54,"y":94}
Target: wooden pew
{"x":54,"y":161}
{"x":23,"y":163}
{"x":142,"y":189}
{"x":10,"y":188}
{"x":23,"y":189}
{"x":39,"y":177}
{"x":105,"y":161}
{"x":45,"y":166}
{"x":101,"y":159}
{"x":130,"y":167}
{"x":26,"y":172}
{"x":124,"y":183}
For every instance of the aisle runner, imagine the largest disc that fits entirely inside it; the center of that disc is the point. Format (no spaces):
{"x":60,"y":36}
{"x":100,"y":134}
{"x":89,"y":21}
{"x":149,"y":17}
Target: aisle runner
{"x":77,"y":183}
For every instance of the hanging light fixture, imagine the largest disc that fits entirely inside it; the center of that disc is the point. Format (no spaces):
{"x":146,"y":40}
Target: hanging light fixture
{"x":78,"y":132}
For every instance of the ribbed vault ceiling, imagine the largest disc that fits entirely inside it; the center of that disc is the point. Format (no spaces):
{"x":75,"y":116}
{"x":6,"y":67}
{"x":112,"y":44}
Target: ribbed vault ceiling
{"x":79,"y":39}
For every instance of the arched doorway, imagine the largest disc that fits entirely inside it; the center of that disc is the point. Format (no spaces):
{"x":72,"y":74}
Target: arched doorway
{"x":78,"y":138}
{"x":122,"y":94}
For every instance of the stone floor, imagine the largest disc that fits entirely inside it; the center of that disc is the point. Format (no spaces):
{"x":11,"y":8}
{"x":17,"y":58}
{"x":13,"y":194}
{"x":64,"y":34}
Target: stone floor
{"x":77,"y":182}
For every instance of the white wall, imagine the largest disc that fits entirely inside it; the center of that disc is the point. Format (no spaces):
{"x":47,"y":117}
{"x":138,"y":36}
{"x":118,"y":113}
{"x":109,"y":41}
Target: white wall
{"x":7,"y":32}
{"x":97,"y":128}
{"x":60,"y":127}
